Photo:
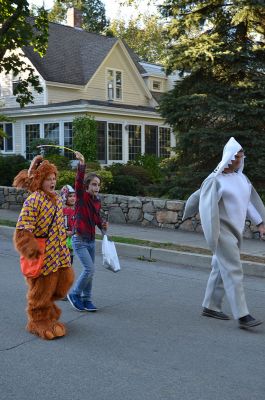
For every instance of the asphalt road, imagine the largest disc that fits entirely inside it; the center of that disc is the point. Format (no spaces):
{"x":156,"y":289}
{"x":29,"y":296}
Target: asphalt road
{"x":147,"y":341}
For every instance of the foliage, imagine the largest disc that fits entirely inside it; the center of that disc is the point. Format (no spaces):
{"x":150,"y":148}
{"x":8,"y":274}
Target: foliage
{"x":61,"y":162}
{"x":106,"y":180}
{"x":93,"y":13}
{"x":126,"y":185}
{"x":33,"y":147}
{"x":150,"y":163}
{"x":143,"y":176}
{"x":17,"y":31}
{"x":219,"y":47}
{"x":92,"y":166}
{"x":143,"y":34}
{"x":85,"y":137}
{"x":9,"y":168}
{"x":66,"y":177}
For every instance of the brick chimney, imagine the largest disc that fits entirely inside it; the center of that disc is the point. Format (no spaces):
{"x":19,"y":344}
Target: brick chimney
{"x":74,"y":18}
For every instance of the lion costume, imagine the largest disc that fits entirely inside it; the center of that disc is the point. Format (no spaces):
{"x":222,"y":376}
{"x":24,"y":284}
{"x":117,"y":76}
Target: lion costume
{"x":42,"y":214}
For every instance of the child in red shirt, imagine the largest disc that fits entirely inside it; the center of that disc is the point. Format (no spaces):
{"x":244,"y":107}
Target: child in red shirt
{"x":69,"y":198}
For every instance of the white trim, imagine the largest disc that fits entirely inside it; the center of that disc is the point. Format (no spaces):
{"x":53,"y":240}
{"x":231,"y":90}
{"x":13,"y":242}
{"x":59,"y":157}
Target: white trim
{"x":125,"y":144}
{"x":65,"y":85}
{"x":84,"y":108}
{"x":148,"y":75}
{"x":6,"y":152}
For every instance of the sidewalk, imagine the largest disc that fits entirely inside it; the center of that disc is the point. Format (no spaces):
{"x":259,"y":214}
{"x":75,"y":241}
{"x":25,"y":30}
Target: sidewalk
{"x":251,"y":247}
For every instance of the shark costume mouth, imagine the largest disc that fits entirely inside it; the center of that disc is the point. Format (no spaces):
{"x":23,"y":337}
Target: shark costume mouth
{"x":230,"y":151}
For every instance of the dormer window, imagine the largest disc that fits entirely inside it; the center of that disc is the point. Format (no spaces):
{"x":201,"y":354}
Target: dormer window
{"x":114,"y":84}
{"x":157,"y":85}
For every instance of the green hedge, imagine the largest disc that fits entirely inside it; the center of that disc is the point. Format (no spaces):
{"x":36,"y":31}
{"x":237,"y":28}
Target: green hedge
{"x":10,"y":166}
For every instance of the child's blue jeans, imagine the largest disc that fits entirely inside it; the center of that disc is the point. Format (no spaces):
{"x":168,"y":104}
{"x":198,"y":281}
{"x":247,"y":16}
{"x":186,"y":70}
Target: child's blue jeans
{"x":85,"y":251}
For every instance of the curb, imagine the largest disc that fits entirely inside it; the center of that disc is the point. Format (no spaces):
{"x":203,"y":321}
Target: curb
{"x":196,"y":260}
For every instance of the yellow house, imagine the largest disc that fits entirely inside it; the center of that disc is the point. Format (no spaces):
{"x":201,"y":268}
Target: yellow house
{"x":84,"y":73}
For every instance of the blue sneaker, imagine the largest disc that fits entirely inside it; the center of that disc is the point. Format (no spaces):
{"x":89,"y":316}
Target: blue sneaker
{"x":89,"y":306}
{"x":76,"y":302}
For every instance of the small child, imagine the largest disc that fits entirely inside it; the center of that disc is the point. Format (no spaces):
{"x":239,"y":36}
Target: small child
{"x":68,"y":196}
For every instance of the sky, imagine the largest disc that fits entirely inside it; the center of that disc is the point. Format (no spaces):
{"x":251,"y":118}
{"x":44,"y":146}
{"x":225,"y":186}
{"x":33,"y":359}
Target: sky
{"x":113,"y":8}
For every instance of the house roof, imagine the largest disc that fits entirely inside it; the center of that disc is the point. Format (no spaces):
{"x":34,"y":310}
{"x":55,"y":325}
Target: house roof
{"x":73,"y":55}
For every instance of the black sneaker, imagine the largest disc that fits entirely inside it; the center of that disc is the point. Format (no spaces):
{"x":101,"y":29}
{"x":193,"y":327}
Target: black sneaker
{"x":206,"y":312}
{"x":76,"y":302}
{"x":248,"y":322}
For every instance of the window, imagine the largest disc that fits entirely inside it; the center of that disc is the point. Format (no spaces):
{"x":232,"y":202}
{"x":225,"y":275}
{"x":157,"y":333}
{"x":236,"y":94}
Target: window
{"x":51,"y":132}
{"x":135,"y":142}
{"x":102,"y":141}
{"x":164,"y":142}
{"x":6,"y":144}
{"x":14,"y":86}
{"x":151,"y":142}
{"x":157,"y":85}
{"x":68,"y":140}
{"x":32,"y":132}
{"x":114,"y":84}
{"x":115,"y":141}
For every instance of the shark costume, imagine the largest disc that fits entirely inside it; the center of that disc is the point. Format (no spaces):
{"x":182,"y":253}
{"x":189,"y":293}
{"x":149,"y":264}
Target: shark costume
{"x":224,"y":201}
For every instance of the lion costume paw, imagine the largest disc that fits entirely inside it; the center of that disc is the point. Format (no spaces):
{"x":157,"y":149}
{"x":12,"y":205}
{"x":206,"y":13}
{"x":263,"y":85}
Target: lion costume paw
{"x":47,"y":330}
{"x":26,"y":244}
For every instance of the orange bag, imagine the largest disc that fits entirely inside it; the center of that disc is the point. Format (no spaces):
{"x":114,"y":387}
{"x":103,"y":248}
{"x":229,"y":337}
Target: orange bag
{"x":32,"y":268}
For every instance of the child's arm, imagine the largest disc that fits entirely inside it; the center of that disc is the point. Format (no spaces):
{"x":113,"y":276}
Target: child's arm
{"x":80,"y":174}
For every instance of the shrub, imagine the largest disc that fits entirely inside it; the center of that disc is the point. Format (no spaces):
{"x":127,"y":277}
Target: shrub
{"x":33,"y":147}
{"x":61,"y":162}
{"x":92,"y":166}
{"x":135,"y":171}
{"x":126,"y":185}
{"x":66,"y":177}
{"x":150,"y":163}
{"x":85,"y":137}
{"x":9,"y":168}
{"x":106,"y":180}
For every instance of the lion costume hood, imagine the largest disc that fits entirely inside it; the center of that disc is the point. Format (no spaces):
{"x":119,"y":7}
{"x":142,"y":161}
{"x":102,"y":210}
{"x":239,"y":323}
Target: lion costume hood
{"x":32,"y":179}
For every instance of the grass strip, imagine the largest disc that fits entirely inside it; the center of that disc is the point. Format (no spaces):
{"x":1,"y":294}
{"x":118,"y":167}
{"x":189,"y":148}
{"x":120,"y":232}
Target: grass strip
{"x":177,"y":247}
{"x":159,"y":245}
{"x":6,"y":222}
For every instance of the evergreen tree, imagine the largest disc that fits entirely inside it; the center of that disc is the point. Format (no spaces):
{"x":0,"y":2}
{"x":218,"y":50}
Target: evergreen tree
{"x":219,"y":47}
{"x":93,"y":12}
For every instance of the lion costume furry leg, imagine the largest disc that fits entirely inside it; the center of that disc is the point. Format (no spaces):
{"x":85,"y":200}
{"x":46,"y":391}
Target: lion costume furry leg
{"x":43,"y":313}
{"x":42,"y":216}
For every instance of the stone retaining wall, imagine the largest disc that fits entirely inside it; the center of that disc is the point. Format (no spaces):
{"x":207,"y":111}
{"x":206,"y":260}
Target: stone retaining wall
{"x":144,"y":211}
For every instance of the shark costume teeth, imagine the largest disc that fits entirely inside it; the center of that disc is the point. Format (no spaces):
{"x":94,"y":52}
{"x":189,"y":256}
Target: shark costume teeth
{"x":230,"y":151}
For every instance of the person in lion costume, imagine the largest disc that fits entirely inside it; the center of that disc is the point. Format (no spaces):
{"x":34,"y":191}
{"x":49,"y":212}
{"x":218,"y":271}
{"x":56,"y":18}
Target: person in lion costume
{"x":42,"y":216}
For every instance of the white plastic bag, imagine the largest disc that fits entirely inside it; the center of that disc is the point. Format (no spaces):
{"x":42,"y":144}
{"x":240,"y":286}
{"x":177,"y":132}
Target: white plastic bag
{"x":110,"y":257}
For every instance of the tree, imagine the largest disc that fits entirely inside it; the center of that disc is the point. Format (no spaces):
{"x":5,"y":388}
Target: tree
{"x":93,"y":12}
{"x":85,"y":137}
{"x":17,"y":31}
{"x":143,"y":34}
{"x":219,"y":47}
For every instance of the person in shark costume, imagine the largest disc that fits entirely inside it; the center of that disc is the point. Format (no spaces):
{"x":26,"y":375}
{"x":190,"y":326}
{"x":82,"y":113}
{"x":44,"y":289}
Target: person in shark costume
{"x":224,"y":201}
